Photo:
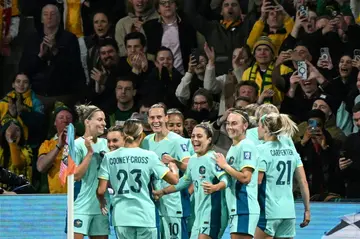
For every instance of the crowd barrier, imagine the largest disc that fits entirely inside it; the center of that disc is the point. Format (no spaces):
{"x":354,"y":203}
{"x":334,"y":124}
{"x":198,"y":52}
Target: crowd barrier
{"x":43,"y":216}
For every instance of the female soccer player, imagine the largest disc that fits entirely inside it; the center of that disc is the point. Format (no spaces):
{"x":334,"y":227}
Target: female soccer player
{"x":129,"y":170}
{"x":278,"y":163}
{"x":89,"y":150}
{"x":242,"y":164}
{"x":208,"y":180}
{"x":115,"y":138}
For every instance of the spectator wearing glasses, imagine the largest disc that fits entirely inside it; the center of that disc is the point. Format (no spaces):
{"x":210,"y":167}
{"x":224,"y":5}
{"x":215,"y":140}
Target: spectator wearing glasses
{"x":139,"y":12}
{"x":171,"y":31}
{"x":203,"y":103}
{"x":349,"y":161}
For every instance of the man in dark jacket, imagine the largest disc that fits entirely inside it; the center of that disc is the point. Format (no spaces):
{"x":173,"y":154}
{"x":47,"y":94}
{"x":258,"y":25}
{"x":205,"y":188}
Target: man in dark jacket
{"x":51,"y":58}
{"x":171,"y":31}
{"x":224,"y":35}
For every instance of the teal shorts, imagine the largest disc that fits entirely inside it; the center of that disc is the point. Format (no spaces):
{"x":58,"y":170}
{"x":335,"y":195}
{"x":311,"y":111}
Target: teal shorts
{"x":136,"y":232}
{"x":282,"y":228}
{"x":173,"y":227}
{"x":91,"y":225}
{"x":244,"y":223}
{"x":211,"y":231}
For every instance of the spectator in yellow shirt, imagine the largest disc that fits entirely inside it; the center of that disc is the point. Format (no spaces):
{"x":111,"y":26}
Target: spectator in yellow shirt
{"x":50,"y":152}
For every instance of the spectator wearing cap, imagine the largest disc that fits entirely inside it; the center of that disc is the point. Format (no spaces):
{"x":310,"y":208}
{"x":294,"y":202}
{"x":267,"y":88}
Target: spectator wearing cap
{"x":319,"y":156}
{"x":328,"y":105}
{"x":50,"y":152}
{"x":15,"y":154}
{"x":125,"y":92}
{"x":51,"y":59}
{"x":349,"y":161}
{"x":139,"y":12}
{"x":224,"y":35}
{"x":23,"y":105}
{"x":274,"y":23}
{"x":172,"y":31}
{"x":193,"y":78}
{"x":226,"y":84}
{"x":261,"y":71}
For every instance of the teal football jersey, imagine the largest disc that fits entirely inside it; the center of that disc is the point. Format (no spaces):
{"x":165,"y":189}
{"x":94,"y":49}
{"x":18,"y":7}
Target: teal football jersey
{"x":253,"y":135}
{"x":190,"y":147}
{"x":242,"y":198}
{"x":85,"y":189}
{"x":175,"y":204}
{"x":207,"y":207}
{"x":278,"y":161}
{"x":130,"y":171}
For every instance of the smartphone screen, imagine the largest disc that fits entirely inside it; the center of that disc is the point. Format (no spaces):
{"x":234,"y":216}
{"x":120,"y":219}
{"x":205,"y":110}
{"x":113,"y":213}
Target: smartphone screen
{"x":195,"y":54}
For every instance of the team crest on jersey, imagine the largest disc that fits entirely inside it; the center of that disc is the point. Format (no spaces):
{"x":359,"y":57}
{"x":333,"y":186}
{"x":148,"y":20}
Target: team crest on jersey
{"x":218,"y":169}
{"x":184,"y":147}
{"x":78,"y":223}
{"x":247,"y":155}
{"x":231,"y":160}
{"x":202,"y":170}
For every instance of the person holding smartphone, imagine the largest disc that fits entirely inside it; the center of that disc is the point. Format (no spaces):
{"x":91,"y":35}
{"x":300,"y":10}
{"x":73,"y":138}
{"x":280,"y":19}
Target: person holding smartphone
{"x":319,"y":155}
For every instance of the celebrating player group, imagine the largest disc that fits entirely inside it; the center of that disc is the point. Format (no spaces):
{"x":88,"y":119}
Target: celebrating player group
{"x":162,"y":186}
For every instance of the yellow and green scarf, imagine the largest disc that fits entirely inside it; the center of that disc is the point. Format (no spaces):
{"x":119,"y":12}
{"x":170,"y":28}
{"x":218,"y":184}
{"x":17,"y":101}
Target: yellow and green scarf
{"x":266,"y":82}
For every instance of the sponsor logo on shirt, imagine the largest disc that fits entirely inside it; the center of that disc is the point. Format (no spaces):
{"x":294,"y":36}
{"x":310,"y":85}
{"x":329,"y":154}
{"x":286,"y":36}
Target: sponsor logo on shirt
{"x":184,"y":147}
{"x":231,"y":160}
{"x":78,"y":223}
{"x":247,"y":155}
{"x":202,"y":170}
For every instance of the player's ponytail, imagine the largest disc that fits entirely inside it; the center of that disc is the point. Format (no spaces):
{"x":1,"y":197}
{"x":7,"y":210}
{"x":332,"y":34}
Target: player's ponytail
{"x":279,"y":124}
{"x":132,"y":130}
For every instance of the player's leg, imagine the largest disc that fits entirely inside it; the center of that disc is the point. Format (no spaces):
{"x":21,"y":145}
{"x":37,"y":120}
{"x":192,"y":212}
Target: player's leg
{"x":126,"y":232}
{"x":146,"y":232}
{"x":243,"y":226}
{"x":81,"y":225}
{"x":267,"y":232}
{"x":286,"y":229}
{"x":99,"y":227}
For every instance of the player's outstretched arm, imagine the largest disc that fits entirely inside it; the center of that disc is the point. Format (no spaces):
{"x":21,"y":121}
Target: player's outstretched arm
{"x":100,"y":193}
{"x":304,"y":188}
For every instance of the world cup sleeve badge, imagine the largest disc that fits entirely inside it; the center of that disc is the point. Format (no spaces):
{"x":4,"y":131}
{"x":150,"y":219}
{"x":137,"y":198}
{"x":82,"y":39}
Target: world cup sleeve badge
{"x":184,"y":147}
{"x":247,"y":155}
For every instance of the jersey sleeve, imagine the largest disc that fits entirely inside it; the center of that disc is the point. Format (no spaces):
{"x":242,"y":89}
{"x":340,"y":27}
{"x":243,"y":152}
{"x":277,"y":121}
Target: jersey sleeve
{"x":79,"y":154}
{"x":44,"y":148}
{"x":249,"y":157}
{"x":145,"y":143}
{"x":298,"y":161}
{"x":181,"y":150}
{"x":104,"y":169}
{"x":158,"y":167}
{"x":184,"y":181}
{"x":216,"y":170}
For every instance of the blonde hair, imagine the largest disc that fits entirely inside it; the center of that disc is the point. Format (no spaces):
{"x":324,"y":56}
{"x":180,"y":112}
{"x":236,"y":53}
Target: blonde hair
{"x":279,"y":124}
{"x":251,"y":109}
{"x":265,"y":109}
{"x":85,"y":112}
{"x":132,"y":130}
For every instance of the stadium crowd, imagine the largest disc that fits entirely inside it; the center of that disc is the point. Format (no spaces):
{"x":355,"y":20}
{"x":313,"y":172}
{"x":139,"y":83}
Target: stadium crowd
{"x":199,"y":60}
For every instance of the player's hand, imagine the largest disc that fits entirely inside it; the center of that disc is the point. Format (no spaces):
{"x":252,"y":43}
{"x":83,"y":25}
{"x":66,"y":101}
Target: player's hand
{"x":220,"y":160}
{"x":209,"y":188}
{"x":103,"y":208}
{"x":166,"y":159}
{"x":306,"y":219}
{"x":157,"y":194}
{"x":88,"y":143}
{"x":173,"y":168}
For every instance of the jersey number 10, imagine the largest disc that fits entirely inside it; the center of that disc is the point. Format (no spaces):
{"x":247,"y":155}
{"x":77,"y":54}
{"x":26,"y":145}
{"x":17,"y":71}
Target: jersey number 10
{"x":122,"y":176}
{"x":281,"y":167}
